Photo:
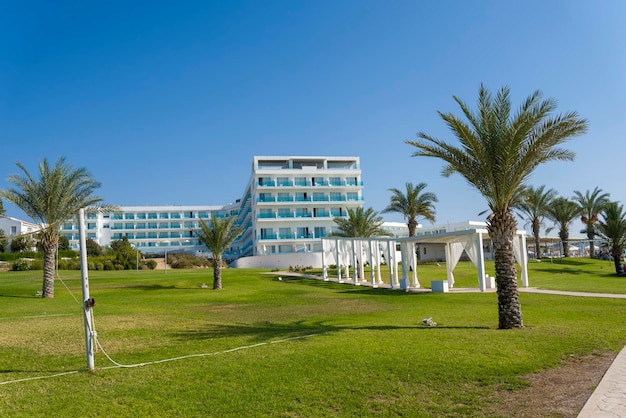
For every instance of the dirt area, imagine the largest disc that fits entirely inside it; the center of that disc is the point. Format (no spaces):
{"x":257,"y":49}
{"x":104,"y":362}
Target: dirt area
{"x":558,"y":392}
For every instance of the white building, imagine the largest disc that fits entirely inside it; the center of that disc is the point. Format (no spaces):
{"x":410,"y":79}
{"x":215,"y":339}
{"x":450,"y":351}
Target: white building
{"x":287,"y":208}
{"x":13,"y":227}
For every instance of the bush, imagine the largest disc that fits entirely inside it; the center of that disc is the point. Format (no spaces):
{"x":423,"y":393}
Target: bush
{"x":20,"y":265}
{"x":186,"y":261}
{"x":151,"y":264}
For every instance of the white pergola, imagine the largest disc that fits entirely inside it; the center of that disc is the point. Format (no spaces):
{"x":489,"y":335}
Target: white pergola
{"x":345,"y":252}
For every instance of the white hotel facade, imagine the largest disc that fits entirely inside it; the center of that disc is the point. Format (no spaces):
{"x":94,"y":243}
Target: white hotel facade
{"x":288,"y":206}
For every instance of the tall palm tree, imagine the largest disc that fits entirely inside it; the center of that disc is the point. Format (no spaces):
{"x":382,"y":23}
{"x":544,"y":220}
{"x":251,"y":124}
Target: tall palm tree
{"x":413,"y":204}
{"x":360,"y":223}
{"x":533,"y":206}
{"x":498,"y":152}
{"x":217,"y":237}
{"x":53,"y":198}
{"x":613,"y":229}
{"x":562,"y":212}
{"x":590,"y":204}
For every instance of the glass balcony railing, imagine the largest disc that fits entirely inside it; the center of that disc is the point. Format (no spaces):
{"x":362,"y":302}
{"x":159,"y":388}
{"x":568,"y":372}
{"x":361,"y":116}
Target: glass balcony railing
{"x":286,"y":215}
{"x":268,"y":236}
{"x":337,"y":198}
{"x":266,"y":215}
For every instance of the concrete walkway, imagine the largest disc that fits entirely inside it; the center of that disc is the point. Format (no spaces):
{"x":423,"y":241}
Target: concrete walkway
{"x":608,"y":399}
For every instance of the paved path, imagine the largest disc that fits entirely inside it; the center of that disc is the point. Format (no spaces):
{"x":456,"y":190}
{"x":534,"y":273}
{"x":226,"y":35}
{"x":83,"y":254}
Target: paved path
{"x":608,"y":399}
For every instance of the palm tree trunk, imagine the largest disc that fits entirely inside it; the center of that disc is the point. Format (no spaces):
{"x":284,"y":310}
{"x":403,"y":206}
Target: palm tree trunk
{"x":502,"y":229}
{"x":565,"y":243}
{"x":616,"y":252}
{"x":217,"y":274}
{"x":48,"y":271}
{"x":536,"y":231}
{"x":412,"y":224}
{"x":591,"y":236}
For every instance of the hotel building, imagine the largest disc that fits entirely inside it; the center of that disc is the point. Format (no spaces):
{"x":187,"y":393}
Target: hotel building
{"x":288,"y":206}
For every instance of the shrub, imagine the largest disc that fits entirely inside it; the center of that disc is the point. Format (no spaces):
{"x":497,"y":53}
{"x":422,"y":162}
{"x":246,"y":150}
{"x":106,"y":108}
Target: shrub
{"x":20,"y":265}
{"x":151,"y":264}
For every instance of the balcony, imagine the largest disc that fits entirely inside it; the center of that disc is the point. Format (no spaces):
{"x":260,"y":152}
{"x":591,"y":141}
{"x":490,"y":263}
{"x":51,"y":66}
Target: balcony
{"x":266,"y":215}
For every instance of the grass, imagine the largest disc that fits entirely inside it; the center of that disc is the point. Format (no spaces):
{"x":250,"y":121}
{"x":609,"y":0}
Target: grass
{"x":291,"y":348}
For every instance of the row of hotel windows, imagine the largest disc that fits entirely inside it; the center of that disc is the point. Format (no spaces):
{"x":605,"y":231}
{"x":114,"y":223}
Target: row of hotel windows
{"x":308,"y":181}
{"x":290,"y":248}
{"x":154,"y":215}
{"x":301,"y":213}
{"x":297,"y":164}
{"x":138,"y":235}
{"x":309,"y":197}
{"x":291,"y":233}
{"x":138,"y":225}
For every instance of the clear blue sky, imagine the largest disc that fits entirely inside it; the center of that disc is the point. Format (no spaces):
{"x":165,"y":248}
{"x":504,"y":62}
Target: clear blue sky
{"x":167,"y":102}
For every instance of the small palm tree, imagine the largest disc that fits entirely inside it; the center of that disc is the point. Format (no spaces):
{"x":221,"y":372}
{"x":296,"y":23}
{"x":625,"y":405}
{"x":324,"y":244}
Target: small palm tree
{"x":497,"y":154}
{"x":413,"y":205}
{"x":360,"y":223}
{"x":562,"y":212}
{"x":52,"y":199}
{"x":613,"y":229}
{"x":590,"y":205}
{"x":533,"y":206}
{"x":217,"y":237}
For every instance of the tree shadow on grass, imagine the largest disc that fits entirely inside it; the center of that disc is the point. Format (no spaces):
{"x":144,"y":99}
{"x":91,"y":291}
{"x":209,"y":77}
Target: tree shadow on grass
{"x":347,"y":287}
{"x":151,"y":287}
{"x":267,"y":331}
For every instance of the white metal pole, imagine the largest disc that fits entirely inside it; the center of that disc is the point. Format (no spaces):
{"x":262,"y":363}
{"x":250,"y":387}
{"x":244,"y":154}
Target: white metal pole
{"x":87,"y":301}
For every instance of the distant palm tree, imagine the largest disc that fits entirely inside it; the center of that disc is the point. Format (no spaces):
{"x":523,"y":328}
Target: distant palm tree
{"x":613,"y":229}
{"x":217,"y":237}
{"x":534,"y":205}
{"x":413,"y":205}
{"x":49,"y":201}
{"x":562,"y":212}
{"x":1,"y":208}
{"x":498,"y":152}
{"x":360,"y":223}
{"x":590,"y":205}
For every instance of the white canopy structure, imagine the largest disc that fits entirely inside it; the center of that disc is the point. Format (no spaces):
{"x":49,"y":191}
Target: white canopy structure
{"x":346,"y":252}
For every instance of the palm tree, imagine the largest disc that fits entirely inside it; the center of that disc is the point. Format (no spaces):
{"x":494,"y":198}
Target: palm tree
{"x":498,"y":152}
{"x":360,"y":223}
{"x":562,"y":212}
{"x":412,"y":205}
{"x":590,"y":204}
{"x":533,"y":206}
{"x":52,"y":199}
{"x":613,"y":229}
{"x":217,"y":237}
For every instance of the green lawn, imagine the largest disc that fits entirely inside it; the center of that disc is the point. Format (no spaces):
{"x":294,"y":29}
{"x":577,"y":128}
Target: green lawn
{"x":292,"y":348}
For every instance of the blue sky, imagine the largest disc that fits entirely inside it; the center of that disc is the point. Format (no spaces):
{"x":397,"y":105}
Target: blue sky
{"x":167,"y":102}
